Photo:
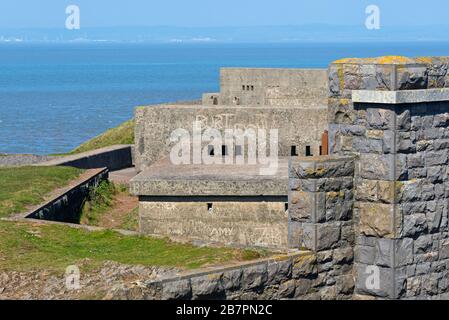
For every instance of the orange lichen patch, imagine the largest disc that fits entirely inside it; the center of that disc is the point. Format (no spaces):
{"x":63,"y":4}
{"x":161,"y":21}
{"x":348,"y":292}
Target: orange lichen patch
{"x":378,"y":60}
{"x":394,"y":60}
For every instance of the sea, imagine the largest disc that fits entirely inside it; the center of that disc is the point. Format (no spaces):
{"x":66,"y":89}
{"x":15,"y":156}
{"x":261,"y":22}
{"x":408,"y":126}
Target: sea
{"x":55,"y":96}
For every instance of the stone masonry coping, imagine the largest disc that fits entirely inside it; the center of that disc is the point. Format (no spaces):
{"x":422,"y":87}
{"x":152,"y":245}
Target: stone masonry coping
{"x":401,"y":96}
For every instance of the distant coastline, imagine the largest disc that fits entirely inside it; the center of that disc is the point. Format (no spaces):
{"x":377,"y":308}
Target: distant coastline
{"x":54,"y":97}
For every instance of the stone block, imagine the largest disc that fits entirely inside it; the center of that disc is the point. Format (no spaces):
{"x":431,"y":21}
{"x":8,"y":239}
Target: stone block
{"x":383,"y":167}
{"x":232,"y":279}
{"x":177,"y":290}
{"x":444,"y":249}
{"x":305,"y":267}
{"x":375,"y":191}
{"x":414,"y":225}
{"x":412,"y":78}
{"x":279,"y":271}
{"x":381,"y":119}
{"x":301,"y":205}
{"x":328,"y":235}
{"x":377,"y":220}
{"x":328,"y":167}
{"x":379,"y":281}
{"x":254,"y":277}
{"x":207,"y":287}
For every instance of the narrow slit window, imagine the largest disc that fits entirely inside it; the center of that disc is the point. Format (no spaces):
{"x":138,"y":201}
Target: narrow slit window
{"x":247,"y":88}
{"x":252,"y":88}
{"x":224,"y":150}
{"x":293,"y":151}
{"x":309,"y":151}
{"x":286,"y":206}
{"x":210,"y":150}
{"x":321,"y":150}
{"x":209,"y":207}
{"x":243,"y":88}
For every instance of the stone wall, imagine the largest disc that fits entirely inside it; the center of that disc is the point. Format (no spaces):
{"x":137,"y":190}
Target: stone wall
{"x":302,"y":275}
{"x":401,"y":209}
{"x":321,"y":200}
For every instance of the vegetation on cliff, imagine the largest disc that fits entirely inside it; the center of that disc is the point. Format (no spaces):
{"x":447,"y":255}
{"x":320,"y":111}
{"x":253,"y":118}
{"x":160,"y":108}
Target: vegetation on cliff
{"x":123,"y":134}
{"x":21,"y":187}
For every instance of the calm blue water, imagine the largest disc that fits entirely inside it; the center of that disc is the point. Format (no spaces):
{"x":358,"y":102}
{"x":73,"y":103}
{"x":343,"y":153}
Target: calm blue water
{"x":54,"y":97}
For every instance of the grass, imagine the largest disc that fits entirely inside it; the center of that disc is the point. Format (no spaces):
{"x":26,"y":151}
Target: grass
{"x":27,"y":247}
{"x":26,"y":186}
{"x":100,"y":200}
{"x":123,"y":134}
{"x":131,"y":221}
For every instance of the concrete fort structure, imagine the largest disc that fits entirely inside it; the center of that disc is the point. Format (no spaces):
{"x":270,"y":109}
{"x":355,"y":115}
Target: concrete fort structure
{"x":229,"y":204}
{"x":373,"y":213}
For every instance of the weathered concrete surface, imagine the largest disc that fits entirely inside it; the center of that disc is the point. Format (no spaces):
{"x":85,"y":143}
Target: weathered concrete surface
{"x":249,"y":223}
{"x":114,"y":158}
{"x":231,"y":205}
{"x":155,"y":124}
{"x":273,"y":87}
{"x":18,"y":160}
{"x":166,"y":179}
{"x":123,"y":176}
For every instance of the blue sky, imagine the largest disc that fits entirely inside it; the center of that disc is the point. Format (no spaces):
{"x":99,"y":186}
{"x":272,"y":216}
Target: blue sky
{"x":211,"y":13}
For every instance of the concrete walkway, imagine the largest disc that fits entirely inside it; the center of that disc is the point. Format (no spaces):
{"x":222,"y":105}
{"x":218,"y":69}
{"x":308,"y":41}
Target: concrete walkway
{"x":122,"y":176}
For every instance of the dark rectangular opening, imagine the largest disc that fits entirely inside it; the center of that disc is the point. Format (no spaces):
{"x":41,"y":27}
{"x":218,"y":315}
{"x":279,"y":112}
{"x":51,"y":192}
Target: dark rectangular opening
{"x":238,"y":150}
{"x":224,"y":150}
{"x":210,"y":150}
{"x":309,"y":151}
{"x":209,"y":207}
{"x":286,"y":206}
{"x":321,"y":150}
{"x":243,"y":88}
{"x":293,"y":151}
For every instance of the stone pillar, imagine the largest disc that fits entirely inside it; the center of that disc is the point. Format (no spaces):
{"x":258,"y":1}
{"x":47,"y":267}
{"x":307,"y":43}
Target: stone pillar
{"x":320,"y":202}
{"x":392,"y":113}
{"x":320,"y":219}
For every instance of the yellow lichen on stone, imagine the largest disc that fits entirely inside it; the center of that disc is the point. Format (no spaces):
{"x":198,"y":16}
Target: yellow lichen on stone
{"x":341,"y":77}
{"x":394,"y":60}
{"x":344,"y":101}
{"x":378,"y":60}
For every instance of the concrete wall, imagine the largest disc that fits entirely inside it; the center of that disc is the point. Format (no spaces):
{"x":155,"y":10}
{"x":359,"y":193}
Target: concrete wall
{"x":114,"y":158}
{"x":66,"y":206}
{"x":154,"y":124}
{"x":251,"y":221}
{"x":273,"y":87}
{"x":18,"y":160}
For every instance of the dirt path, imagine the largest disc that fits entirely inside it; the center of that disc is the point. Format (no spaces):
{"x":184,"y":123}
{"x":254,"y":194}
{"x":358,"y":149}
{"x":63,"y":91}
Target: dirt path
{"x":122,"y":214}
